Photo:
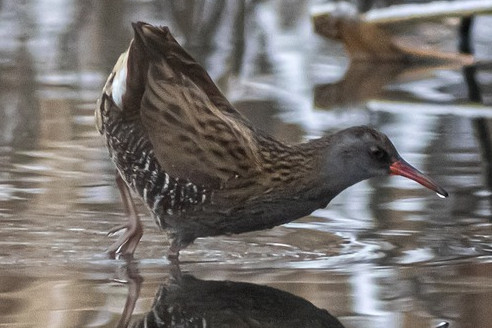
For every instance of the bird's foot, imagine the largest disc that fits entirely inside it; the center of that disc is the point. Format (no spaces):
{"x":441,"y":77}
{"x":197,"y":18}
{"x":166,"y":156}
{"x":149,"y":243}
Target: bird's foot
{"x":173,"y":252}
{"x":127,"y":243}
{"x":118,"y":228}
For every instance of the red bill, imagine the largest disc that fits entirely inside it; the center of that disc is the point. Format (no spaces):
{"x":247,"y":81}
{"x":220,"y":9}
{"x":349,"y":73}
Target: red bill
{"x":400,"y":167}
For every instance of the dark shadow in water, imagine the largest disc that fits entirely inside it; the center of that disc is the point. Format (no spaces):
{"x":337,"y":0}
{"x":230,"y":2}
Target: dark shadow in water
{"x":19,"y":109}
{"x":483,"y":127}
{"x":185,"y":301}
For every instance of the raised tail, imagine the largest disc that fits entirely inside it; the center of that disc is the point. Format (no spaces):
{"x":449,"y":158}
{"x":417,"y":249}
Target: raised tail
{"x":163,"y":50}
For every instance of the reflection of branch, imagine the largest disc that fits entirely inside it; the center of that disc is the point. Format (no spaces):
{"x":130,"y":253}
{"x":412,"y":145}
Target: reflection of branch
{"x":69,"y":37}
{"x":365,"y":81}
{"x":474,"y":93}
{"x":481,"y":125}
{"x":361,"y":82}
{"x":213,"y":33}
{"x":464,"y":33}
{"x":483,"y":131}
{"x":484,"y":136}
{"x":197,"y":20}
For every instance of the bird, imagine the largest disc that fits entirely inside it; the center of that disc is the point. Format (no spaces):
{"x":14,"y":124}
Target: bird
{"x":201,"y":168}
{"x":192,"y":302}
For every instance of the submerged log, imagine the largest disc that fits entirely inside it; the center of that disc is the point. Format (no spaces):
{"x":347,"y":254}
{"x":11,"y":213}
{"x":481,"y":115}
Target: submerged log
{"x":369,"y":36}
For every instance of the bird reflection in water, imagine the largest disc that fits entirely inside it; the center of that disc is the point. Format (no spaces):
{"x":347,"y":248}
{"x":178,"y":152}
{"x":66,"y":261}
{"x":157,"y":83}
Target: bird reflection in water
{"x":185,"y":301}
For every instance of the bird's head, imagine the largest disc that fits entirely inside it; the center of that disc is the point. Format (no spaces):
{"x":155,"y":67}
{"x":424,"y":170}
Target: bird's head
{"x":360,"y":153}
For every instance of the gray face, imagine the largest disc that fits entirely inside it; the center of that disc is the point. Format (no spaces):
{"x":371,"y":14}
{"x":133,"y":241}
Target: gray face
{"x":361,"y":152}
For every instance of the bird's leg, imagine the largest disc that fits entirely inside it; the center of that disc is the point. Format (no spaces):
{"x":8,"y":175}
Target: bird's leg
{"x":173,"y":252}
{"x":128,"y":241}
{"x":178,"y":242}
{"x":134,"y":281}
{"x":175,"y":270}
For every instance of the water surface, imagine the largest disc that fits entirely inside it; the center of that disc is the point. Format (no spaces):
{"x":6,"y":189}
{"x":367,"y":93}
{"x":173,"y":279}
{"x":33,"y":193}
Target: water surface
{"x":384,"y":253}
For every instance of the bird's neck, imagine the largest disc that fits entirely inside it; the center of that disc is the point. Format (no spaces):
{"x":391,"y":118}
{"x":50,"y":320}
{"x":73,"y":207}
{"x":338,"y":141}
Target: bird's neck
{"x":314,"y":170}
{"x":297,"y":171}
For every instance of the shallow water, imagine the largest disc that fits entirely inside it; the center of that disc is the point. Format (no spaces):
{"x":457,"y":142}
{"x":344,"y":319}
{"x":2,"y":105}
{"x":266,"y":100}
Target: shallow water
{"x":384,"y":253}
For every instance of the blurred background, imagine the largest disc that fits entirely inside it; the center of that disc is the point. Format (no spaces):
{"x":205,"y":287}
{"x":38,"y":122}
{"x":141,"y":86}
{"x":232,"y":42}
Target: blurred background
{"x":384,"y":253}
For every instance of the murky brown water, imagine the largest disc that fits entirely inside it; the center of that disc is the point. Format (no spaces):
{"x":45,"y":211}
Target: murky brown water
{"x":385,"y":253}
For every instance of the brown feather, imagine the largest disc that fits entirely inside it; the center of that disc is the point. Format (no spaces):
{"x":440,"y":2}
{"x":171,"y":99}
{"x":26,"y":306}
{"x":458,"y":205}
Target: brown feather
{"x":196,"y":134}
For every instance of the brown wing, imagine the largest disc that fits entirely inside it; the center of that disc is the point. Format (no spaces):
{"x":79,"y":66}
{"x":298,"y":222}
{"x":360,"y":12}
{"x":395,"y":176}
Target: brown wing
{"x":196,"y":133}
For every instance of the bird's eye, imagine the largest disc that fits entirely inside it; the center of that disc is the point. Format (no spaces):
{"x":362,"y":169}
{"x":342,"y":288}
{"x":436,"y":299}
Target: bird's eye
{"x":378,"y":153}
